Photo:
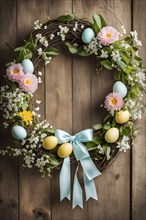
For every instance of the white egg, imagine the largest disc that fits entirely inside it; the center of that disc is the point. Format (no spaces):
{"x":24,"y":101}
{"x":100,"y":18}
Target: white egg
{"x":120,"y":88}
{"x":28,"y":66}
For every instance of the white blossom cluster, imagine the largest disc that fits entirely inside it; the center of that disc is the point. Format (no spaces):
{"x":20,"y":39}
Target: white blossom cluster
{"x":123,"y":145}
{"x":116,"y":55}
{"x":37,"y":25}
{"x":125,"y":45}
{"x":42,"y":40}
{"x":135,"y":108}
{"x":134,"y":34}
{"x":30,"y":146}
{"x":76,"y":26}
{"x":100,"y":148}
{"x":62,"y":32}
{"x":45,"y":57}
{"x":42,"y":161}
{"x":52,"y":36}
{"x":11,"y":102}
{"x":104,"y":54}
{"x":140,"y":78}
{"x":93,"y":47}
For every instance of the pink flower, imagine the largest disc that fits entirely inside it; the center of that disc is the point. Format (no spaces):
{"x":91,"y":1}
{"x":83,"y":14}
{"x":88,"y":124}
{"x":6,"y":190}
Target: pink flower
{"x":15,"y":72}
{"x":113,"y":101}
{"x":29,"y":83}
{"x":108,"y":35}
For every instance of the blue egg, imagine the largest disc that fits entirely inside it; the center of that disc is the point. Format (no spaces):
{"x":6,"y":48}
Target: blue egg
{"x":88,"y":35}
{"x":120,"y":88}
{"x":28,"y":66}
{"x":18,"y":132}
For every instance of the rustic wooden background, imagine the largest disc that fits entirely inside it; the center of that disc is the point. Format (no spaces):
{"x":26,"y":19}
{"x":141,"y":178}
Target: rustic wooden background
{"x":71,"y":94}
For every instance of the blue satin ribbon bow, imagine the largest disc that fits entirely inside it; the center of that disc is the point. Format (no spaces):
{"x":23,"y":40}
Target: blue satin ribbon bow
{"x":89,"y":169}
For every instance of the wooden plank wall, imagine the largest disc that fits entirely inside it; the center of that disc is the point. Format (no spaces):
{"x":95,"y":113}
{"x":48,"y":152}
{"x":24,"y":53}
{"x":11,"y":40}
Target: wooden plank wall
{"x":71,"y":94}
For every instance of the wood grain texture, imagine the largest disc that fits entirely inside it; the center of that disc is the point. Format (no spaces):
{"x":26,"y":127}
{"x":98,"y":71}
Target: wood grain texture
{"x":111,"y":187}
{"x":139,"y":145}
{"x":9,"y":202}
{"x":35,"y":191}
{"x":59,"y":103}
{"x":71,"y":96}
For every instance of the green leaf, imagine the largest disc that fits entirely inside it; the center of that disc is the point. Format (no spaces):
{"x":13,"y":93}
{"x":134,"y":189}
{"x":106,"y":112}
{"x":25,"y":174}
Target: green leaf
{"x":53,"y":161}
{"x":126,"y":131}
{"x":8,"y":64}
{"x":51,"y":131}
{"x":52,"y":51}
{"x":125,"y":58}
{"x":91,"y":146}
{"x":98,"y":23}
{"x":24,"y":106}
{"x":103,"y":22}
{"x":27,"y":54}
{"x":97,"y":140}
{"x":107,"y":64}
{"x":107,"y":126}
{"x":73,"y":49}
{"x":121,"y":64}
{"x":107,"y":151}
{"x":107,"y":118}
{"x":127,"y":69}
{"x":117,"y":75}
{"x":82,"y":52}
{"x":97,"y":126}
{"x":66,"y":18}
{"x":18,"y":49}
{"x":31,"y":46}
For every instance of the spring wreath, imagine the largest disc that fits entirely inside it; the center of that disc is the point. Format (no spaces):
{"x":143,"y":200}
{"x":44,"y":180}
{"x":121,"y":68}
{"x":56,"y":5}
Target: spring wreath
{"x":47,"y":148}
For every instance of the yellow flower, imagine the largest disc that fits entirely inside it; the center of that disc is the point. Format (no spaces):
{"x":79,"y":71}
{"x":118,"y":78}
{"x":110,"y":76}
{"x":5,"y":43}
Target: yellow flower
{"x":26,"y":116}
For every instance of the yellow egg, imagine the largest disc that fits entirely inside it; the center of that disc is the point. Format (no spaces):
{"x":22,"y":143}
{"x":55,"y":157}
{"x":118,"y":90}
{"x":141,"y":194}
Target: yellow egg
{"x":50,"y":142}
{"x":122,"y":116}
{"x":65,"y":150}
{"x":112,"y":135}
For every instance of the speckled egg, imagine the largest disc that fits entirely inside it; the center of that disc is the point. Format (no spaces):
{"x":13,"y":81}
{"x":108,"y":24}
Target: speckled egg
{"x":87,"y":35}
{"x":112,"y":135}
{"x":18,"y":132}
{"x":120,"y":88}
{"x":122,"y":116}
{"x":28,"y":66}
{"x":65,"y":150}
{"x":50,"y":142}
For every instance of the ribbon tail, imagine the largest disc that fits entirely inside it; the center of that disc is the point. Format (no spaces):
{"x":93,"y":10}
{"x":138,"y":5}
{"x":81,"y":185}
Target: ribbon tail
{"x":89,"y":168}
{"x":77,"y":192}
{"x":65,"y":180}
{"x":90,"y":188}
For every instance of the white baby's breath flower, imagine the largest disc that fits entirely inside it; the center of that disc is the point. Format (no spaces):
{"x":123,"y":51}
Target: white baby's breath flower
{"x":123,"y":145}
{"x":37,"y":108}
{"x":40,"y":51}
{"x":38,"y":101}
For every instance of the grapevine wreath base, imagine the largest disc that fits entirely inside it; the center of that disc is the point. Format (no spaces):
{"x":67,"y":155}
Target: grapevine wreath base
{"x":94,"y":149}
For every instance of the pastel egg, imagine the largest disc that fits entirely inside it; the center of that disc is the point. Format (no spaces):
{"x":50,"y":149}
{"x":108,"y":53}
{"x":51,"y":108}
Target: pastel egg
{"x":120,"y":88}
{"x":28,"y":66}
{"x":112,"y":135}
{"x":122,"y":116}
{"x":18,"y":132}
{"x":64,"y":150}
{"x":50,"y":142}
{"x":87,"y":35}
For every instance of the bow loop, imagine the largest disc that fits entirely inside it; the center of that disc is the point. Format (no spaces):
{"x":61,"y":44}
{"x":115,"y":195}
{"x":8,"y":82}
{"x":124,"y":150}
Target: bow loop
{"x":89,"y":169}
{"x":62,"y":136}
{"x":85,"y":135}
